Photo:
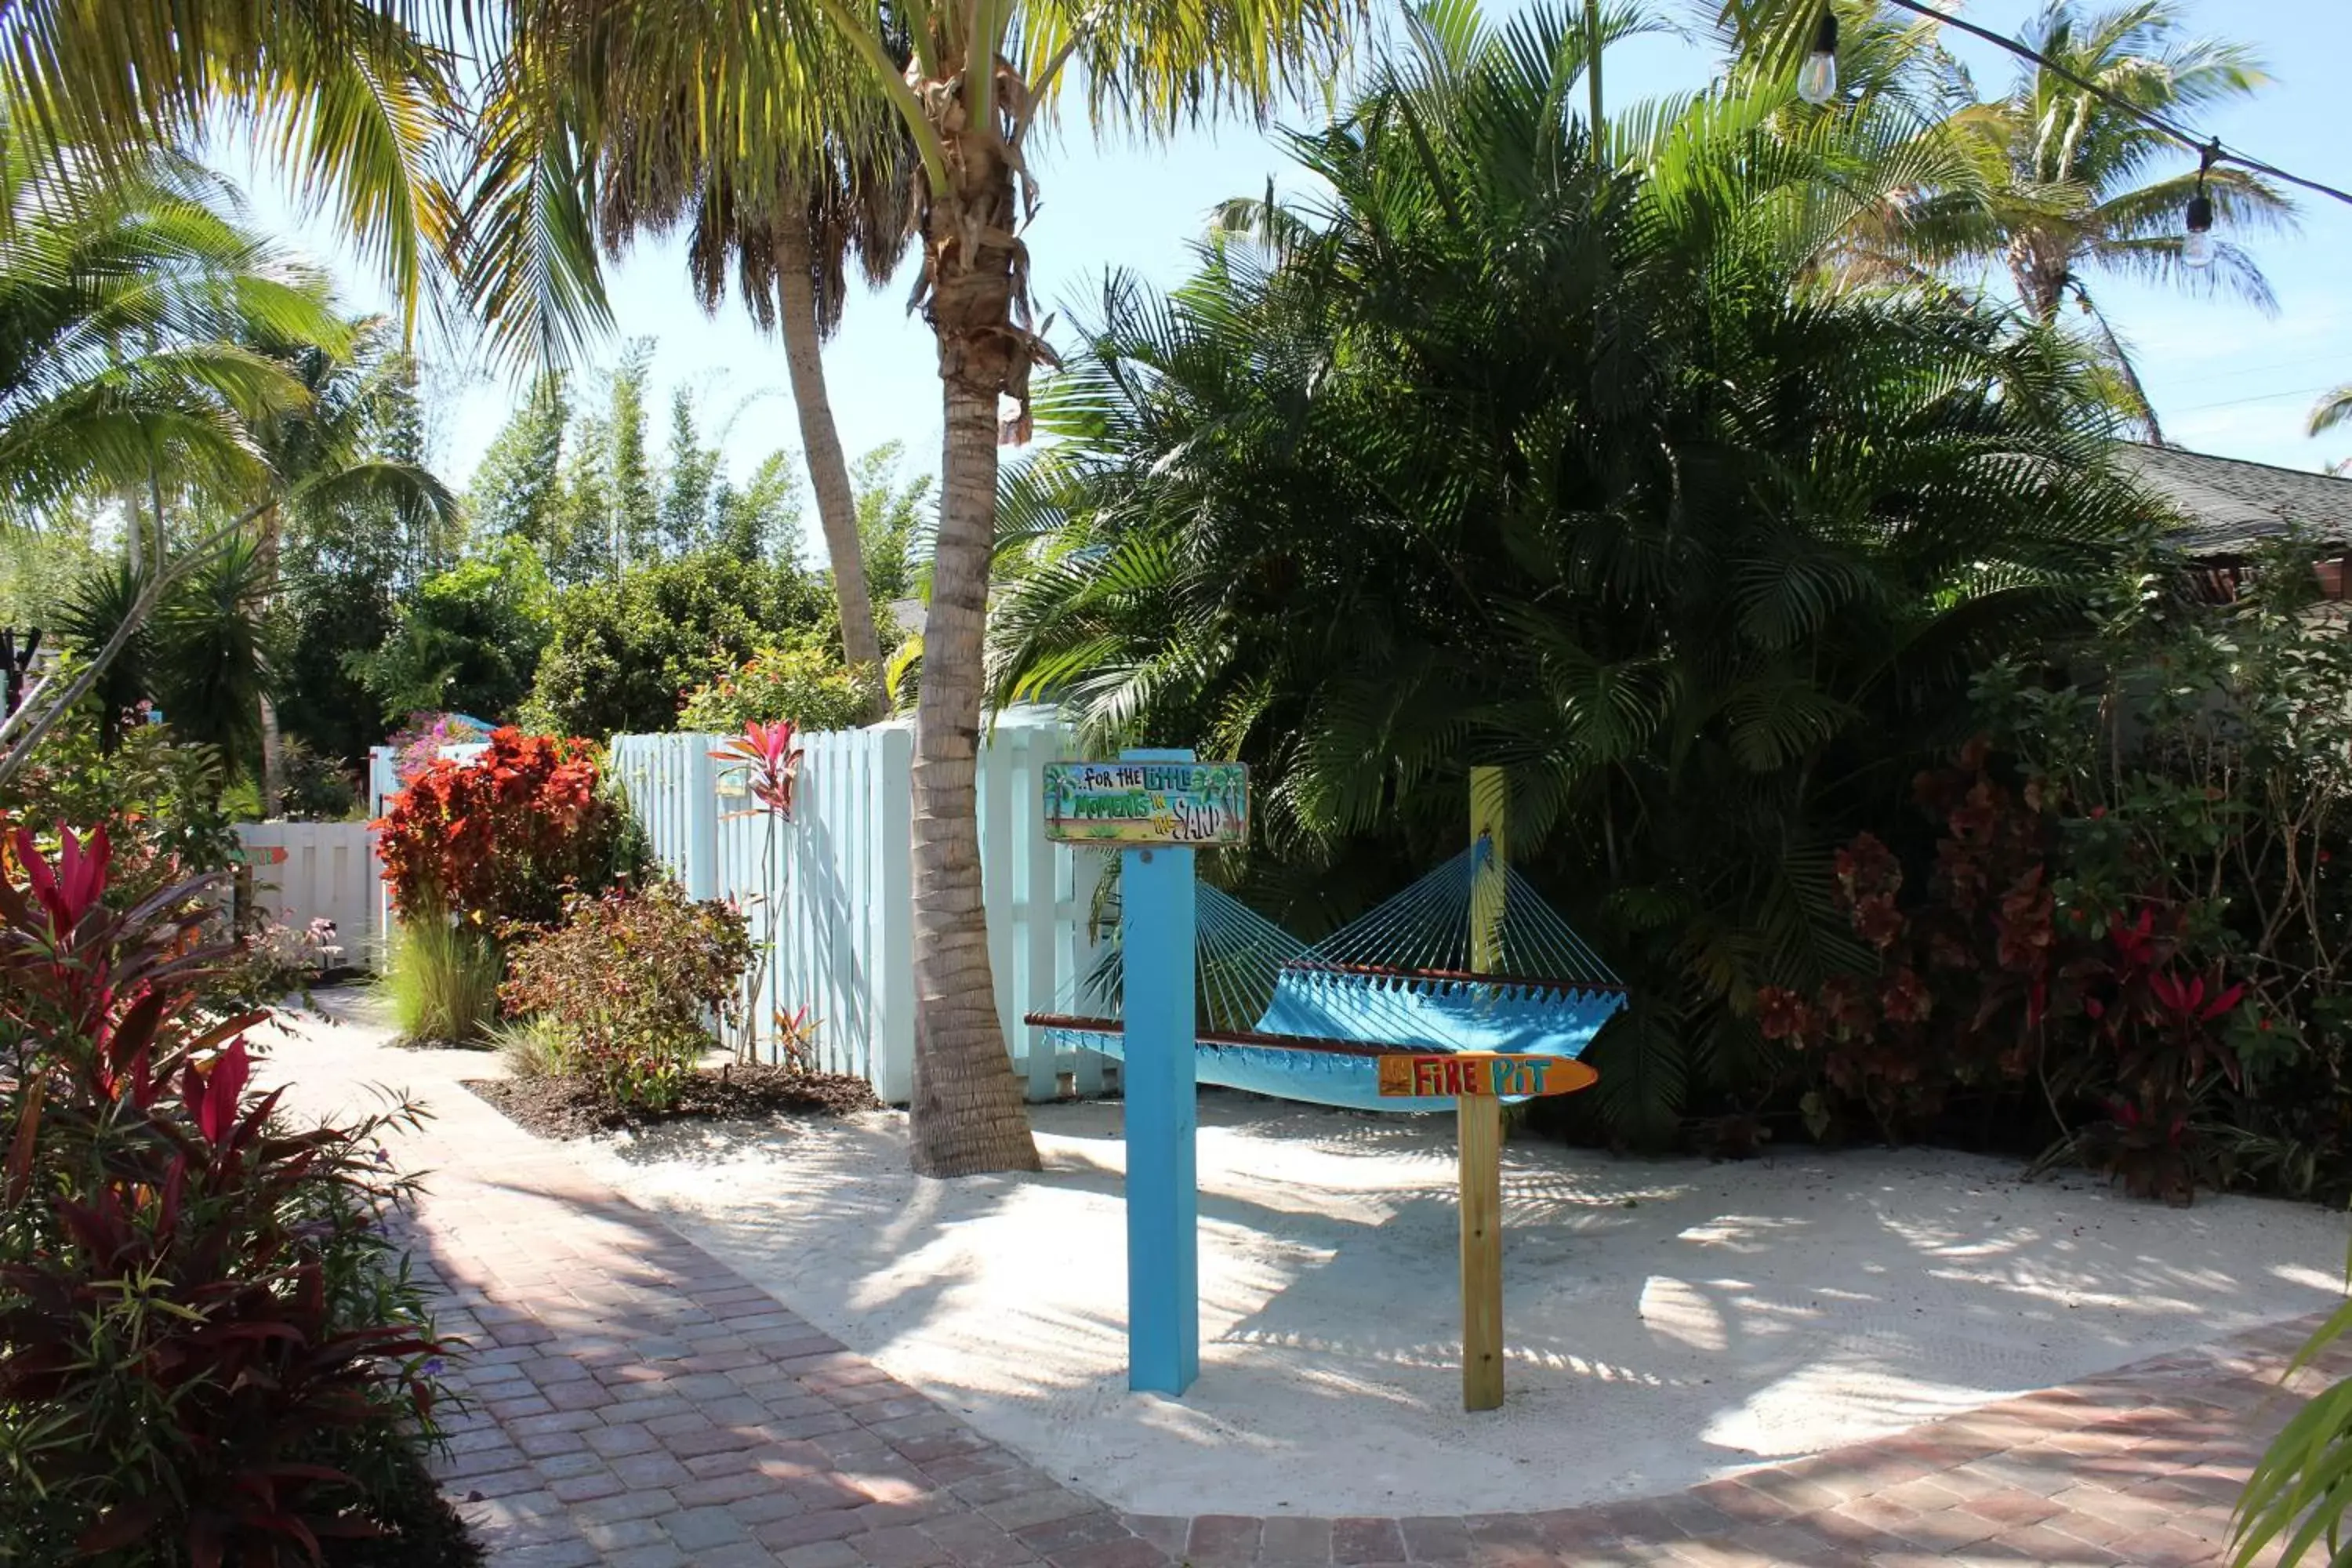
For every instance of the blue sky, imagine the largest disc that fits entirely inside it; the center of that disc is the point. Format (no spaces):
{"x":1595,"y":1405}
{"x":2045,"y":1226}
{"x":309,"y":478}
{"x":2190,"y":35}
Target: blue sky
{"x":2223,"y":378}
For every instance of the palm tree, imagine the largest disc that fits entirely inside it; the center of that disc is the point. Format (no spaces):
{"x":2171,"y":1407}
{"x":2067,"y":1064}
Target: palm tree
{"x":322,"y":458}
{"x":785,"y":234}
{"x":2330,"y":411}
{"x":2061,"y":186}
{"x":351,"y":100}
{"x":1490,"y":458}
{"x":126,"y":311}
{"x":966,"y":81}
{"x":129,"y":305}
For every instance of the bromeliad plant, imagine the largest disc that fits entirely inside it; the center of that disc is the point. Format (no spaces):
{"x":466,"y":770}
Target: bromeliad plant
{"x":209,"y":1346}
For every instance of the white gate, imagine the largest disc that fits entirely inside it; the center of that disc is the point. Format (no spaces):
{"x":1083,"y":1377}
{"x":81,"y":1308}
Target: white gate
{"x":304,"y":871}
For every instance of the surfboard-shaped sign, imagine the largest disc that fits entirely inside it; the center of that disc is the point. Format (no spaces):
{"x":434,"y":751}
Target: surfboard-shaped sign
{"x":1481,"y":1073}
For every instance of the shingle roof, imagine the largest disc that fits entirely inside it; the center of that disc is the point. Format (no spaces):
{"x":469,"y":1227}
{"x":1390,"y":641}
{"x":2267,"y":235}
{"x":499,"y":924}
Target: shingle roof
{"x":2232,"y":506}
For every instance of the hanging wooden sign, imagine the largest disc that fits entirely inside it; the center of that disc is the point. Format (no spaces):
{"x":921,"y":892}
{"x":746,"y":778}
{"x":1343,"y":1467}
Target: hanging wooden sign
{"x":1134,"y":804}
{"x":1481,"y":1073}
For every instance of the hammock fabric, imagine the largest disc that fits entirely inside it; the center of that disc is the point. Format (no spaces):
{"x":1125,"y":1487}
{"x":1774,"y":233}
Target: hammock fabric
{"x":1279,"y":1018}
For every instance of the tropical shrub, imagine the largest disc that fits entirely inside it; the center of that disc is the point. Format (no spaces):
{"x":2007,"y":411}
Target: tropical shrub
{"x":805,"y":684}
{"x":209,"y":1344}
{"x":468,"y":638}
{"x":502,"y":840}
{"x":632,"y":979}
{"x":1483,"y":457}
{"x":159,"y":801}
{"x":2130,"y":919}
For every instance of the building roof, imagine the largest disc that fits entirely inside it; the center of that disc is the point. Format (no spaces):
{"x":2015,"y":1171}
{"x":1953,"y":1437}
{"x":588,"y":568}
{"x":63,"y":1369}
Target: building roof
{"x":2232,"y":507}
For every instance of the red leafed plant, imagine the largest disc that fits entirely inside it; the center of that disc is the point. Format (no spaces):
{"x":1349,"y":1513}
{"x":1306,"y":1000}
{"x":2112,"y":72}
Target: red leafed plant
{"x":768,"y":755}
{"x":2001,"y":976}
{"x":207,"y":1346}
{"x":501,"y":838}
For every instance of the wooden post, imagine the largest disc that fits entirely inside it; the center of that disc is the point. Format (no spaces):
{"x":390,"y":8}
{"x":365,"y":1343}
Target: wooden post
{"x":1479,"y":1123}
{"x":1163,"y":1248}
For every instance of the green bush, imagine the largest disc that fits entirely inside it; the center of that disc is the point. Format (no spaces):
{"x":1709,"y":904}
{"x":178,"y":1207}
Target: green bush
{"x":806,"y":685}
{"x":622,"y":652}
{"x":631,"y":980}
{"x":440,"y":983}
{"x":468,"y":638}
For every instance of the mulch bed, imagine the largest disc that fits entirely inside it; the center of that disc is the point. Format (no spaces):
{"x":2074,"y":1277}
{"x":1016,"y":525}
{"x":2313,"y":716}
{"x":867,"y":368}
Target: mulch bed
{"x":566,"y":1108}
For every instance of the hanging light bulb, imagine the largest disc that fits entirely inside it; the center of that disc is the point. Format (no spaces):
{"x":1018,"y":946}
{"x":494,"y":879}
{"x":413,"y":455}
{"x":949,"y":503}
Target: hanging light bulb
{"x":1816,"y":78}
{"x":2196,"y":244}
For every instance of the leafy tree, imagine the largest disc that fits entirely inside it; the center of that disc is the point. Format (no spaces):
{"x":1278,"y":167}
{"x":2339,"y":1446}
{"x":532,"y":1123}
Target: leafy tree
{"x":1489,"y":457}
{"x":518,"y":490}
{"x":893,"y":520}
{"x":467,"y":640}
{"x":688,"y":483}
{"x":620,"y":653}
{"x":760,"y":522}
{"x":637,"y":517}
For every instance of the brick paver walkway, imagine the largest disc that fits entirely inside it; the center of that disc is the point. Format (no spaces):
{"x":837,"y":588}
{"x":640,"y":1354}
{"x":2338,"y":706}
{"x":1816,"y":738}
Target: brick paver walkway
{"x":636,"y":1402}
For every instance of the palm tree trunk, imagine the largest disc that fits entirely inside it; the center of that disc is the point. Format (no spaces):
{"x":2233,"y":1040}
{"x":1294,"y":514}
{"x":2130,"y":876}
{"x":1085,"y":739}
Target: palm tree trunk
{"x":837,"y":506}
{"x":967,"y":1112}
{"x":273,"y":781}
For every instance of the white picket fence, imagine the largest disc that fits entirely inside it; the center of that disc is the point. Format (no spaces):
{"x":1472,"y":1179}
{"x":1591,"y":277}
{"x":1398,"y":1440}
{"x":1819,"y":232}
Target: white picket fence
{"x":304,"y":871}
{"x":833,"y":887}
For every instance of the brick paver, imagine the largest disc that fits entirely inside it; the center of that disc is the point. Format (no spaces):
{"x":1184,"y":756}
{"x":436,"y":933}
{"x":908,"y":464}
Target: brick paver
{"x":633,"y":1401}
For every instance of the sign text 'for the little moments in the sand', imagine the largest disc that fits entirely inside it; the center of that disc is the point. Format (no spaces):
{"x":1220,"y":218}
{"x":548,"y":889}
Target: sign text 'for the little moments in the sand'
{"x":1194,"y":805}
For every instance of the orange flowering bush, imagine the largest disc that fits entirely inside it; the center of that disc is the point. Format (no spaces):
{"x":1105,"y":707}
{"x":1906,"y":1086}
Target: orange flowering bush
{"x":500,"y":840}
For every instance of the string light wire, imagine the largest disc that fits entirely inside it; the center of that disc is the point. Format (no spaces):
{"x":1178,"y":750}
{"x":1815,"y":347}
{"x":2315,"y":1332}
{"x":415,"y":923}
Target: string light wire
{"x":2209,"y":147}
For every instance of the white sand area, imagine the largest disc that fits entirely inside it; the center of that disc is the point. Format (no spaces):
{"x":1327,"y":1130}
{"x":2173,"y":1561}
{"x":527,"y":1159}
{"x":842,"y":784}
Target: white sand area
{"x":1666,"y":1321}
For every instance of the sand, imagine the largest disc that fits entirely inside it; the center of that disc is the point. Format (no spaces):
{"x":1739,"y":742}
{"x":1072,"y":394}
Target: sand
{"x":1666,"y":1321}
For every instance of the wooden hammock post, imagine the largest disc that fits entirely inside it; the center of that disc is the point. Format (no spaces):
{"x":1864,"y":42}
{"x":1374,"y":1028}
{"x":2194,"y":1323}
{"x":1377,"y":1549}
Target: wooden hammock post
{"x":1479,"y":1122}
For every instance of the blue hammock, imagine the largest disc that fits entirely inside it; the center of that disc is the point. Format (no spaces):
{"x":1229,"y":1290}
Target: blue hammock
{"x":1279,"y":1018}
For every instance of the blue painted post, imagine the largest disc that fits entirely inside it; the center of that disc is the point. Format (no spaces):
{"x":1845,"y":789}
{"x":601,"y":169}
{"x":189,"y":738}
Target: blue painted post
{"x":1163,"y":1255}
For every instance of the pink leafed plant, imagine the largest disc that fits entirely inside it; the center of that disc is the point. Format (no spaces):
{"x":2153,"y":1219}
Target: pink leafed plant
{"x":770,"y":755}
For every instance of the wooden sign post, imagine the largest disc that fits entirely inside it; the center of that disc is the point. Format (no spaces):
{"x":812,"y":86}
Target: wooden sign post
{"x":1156,"y":807}
{"x":1478,"y":1121}
{"x":1478,"y":1081}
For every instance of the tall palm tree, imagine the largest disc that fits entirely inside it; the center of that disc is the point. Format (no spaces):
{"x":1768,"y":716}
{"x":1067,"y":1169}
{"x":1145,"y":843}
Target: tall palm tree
{"x":320,"y":458}
{"x":785,"y":234}
{"x":2060,"y":186}
{"x":966,"y":81}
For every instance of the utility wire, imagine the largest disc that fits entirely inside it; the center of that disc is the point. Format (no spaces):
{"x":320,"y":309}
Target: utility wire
{"x":2209,"y":148}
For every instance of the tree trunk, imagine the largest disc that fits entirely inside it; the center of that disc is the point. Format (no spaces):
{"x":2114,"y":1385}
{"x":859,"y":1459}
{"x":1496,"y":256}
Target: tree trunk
{"x":837,"y":505}
{"x":968,"y":1115}
{"x":273,"y":770}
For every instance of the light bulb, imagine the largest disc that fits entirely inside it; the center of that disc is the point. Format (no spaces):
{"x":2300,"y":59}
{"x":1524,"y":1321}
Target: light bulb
{"x":2196,"y":244}
{"x":1816,"y":78}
